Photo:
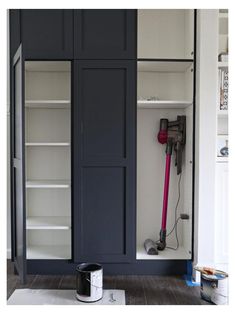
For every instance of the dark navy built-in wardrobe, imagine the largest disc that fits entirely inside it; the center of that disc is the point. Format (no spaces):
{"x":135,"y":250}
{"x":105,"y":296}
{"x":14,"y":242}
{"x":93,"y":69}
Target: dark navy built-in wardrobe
{"x":76,"y":139}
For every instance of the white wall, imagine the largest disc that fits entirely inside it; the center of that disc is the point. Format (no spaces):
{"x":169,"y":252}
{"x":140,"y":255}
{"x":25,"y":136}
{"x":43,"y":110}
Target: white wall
{"x":207,"y":47}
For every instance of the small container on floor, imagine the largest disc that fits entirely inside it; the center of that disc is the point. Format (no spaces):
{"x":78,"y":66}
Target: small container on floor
{"x":89,"y":282}
{"x":214,"y":288}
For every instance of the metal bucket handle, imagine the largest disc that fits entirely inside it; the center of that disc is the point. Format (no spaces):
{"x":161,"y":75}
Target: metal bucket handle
{"x":92,"y":284}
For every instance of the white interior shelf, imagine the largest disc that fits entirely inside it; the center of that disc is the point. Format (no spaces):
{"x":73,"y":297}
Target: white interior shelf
{"x":50,"y":104}
{"x":222,"y":64}
{"x":222,"y":159}
{"x":47,"y":144}
{"x":47,"y":184}
{"x":180,"y":253}
{"x":163,"y":66}
{"x":47,"y":66}
{"x":48,"y":252}
{"x":223,"y":15}
{"x":222,"y":113}
{"x":163,"y":104}
{"x":44,"y":222}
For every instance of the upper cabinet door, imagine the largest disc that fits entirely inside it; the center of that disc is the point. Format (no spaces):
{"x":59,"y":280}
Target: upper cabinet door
{"x":47,"y":34}
{"x":105,"y":34}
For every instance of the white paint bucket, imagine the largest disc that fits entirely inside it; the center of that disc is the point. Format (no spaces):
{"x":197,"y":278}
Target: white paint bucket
{"x":214,"y":288}
{"x":89,"y":283}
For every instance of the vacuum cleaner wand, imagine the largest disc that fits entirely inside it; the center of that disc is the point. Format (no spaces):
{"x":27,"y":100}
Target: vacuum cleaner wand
{"x":173,"y":134}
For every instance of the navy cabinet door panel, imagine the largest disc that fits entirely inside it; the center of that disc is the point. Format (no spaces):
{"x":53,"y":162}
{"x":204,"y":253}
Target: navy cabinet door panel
{"x":47,"y":34}
{"x":18,"y":211}
{"x":105,"y":34}
{"x":104,"y":160}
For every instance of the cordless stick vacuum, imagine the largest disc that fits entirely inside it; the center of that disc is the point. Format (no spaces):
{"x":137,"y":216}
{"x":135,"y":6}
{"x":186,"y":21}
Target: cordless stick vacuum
{"x":173,"y":134}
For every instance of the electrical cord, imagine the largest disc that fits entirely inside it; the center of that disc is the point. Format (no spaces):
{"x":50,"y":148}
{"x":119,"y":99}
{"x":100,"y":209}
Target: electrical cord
{"x":173,"y":227}
{"x":176,"y":219}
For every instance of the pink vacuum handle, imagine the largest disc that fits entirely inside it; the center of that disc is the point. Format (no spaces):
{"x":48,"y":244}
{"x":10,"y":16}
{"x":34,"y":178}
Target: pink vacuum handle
{"x":166,"y":190}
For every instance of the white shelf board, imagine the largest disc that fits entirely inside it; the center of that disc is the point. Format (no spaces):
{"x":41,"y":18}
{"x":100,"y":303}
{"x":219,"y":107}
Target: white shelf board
{"x":163,"y":66}
{"x":222,"y":159}
{"x":223,"y":15}
{"x":181,"y":253}
{"x":47,"y":144}
{"x":223,"y":35}
{"x":51,"y":223}
{"x":47,"y":66}
{"x":222,"y":64}
{"x":222,"y":113}
{"x":49,"y":252}
{"x":163,"y":104}
{"x":44,"y":184}
{"x":225,"y":136}
{"x":50,"y":104}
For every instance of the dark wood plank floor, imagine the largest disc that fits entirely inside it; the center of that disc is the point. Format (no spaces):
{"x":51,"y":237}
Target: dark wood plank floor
{"x":140,"y":290}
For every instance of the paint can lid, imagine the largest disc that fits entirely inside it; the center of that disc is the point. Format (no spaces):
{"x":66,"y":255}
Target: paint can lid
{"x":88,"y":267}
{"x":215,"y":276}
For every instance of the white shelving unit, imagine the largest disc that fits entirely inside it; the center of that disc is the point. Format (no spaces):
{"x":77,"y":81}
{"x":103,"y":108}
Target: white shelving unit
{"x":222,"y":115}
{"x":47,"y":150}
{"x":165,"y":73}
{"x":221,"y":162}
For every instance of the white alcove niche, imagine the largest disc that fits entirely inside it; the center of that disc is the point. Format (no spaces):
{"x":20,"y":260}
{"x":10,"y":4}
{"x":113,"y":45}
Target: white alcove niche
{"x":164,"y":90}
{"x":150,"y":182}
{"x":165,"y":34}
{"x":48,"y":159}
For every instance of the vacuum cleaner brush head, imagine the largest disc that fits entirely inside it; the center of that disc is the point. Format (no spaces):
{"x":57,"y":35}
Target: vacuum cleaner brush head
{"x":150,"y":247}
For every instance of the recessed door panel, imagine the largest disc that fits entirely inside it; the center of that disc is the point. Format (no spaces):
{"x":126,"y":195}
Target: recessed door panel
{"x":18,"y":177}
{"x":103,"y":211}
{"x":47,"y":33}
{"x":103,"y":107}
{"x":105,"y":34}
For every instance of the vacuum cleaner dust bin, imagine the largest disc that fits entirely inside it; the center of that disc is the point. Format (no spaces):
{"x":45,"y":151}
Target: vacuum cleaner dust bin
{"x":89,"y":282}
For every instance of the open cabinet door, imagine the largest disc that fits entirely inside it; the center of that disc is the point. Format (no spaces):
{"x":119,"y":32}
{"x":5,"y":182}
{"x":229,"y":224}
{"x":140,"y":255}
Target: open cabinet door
{"x":18,"y":166}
